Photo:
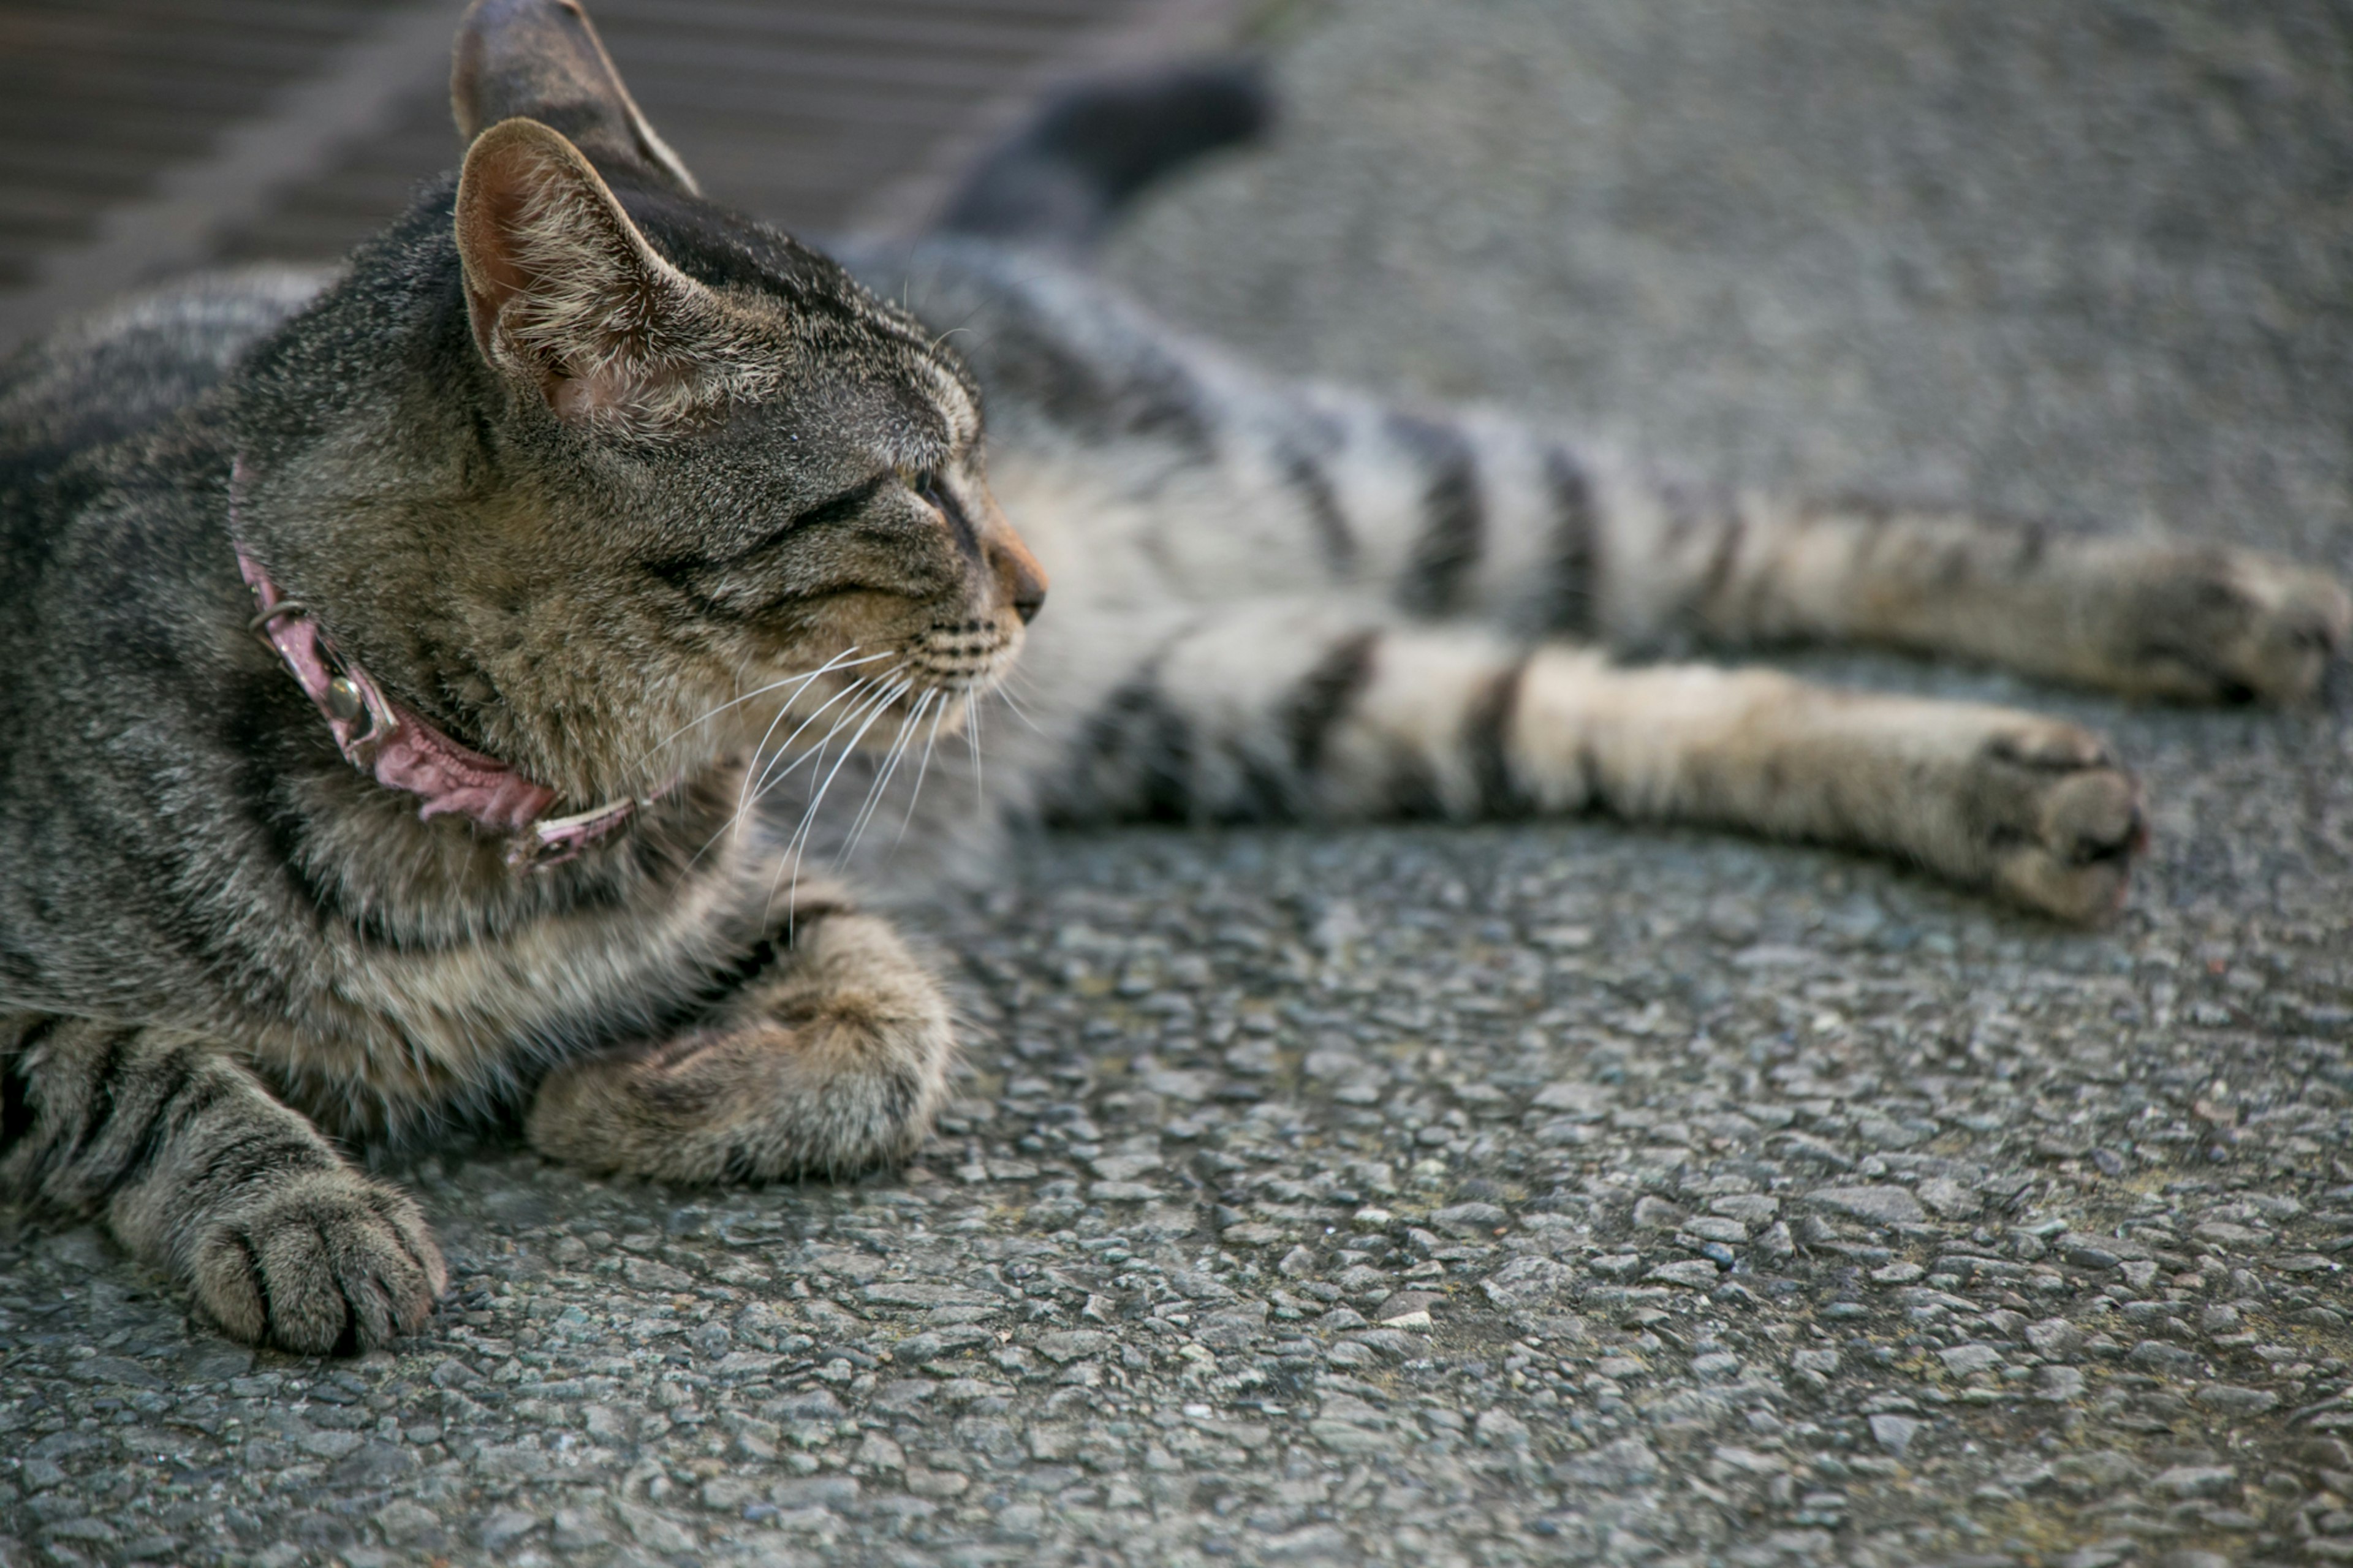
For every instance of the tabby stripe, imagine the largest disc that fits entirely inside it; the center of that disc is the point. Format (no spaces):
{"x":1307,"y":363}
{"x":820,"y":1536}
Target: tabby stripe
{"x":101,"y":1077}
{"x":1571,"y":596}
{"x":1486,"y":742}
{"x":1305,"y":473}
{"x":1137,"y":728}
{"x":2033,"y":541}
{"x":1323,"y":698}
{"x":16,"y":1115}
{"x":1453,"y":521}
{"x":1733,"y":529}
{"x":171,"y":1082}
{"x":256,"y":1153}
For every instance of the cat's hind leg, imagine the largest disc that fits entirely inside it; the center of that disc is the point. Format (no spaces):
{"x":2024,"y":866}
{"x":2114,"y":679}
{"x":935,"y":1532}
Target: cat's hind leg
{"x":1477,"y":517}
{"x":1289,"y":710}
{"x":832,"y":1060}
{"x":2142,"y":616}
{"x":198,"y":1171}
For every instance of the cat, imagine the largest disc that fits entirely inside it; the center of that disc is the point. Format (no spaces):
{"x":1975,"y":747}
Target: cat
{"x":422,"y":688}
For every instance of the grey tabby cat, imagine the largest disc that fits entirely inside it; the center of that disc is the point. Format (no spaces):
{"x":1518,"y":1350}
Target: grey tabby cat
{"x":418,"y":692}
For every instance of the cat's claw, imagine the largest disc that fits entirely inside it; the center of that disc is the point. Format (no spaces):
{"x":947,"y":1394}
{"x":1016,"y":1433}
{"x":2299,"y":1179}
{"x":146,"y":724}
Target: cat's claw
{"x":2060,"y":822}
{"x":325,"y":1263}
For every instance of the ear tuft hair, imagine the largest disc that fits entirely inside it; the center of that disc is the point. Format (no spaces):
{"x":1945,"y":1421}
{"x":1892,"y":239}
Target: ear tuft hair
{"x":567,"y":294}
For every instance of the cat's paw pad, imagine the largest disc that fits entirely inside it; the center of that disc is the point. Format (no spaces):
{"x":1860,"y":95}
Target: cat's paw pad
{"x":329,"y":1262}
{"x":2222,"y":625}
{"x":2060,"y":823}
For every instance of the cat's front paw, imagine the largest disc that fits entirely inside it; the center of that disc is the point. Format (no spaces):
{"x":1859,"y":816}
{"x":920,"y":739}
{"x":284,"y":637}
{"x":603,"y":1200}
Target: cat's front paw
{"x":2223,"y":626}
{"x":835,"y":1065}
{"x":328,"y":1262}
{"x":2058,"y":822}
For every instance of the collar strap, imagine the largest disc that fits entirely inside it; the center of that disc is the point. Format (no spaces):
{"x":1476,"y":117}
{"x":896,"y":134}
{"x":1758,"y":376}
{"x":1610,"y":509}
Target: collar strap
{"x":397,"y":748}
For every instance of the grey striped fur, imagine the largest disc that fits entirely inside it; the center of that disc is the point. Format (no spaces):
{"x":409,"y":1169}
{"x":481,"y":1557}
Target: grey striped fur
{"x":221,"y":948}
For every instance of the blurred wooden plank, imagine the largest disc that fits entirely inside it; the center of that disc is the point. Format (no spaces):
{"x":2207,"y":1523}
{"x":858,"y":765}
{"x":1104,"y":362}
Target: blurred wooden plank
{"x":281,"y":138}
{"x":140,"y":137}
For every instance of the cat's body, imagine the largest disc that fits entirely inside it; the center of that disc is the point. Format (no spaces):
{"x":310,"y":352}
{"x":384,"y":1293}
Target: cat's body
{"x":528,"y":468}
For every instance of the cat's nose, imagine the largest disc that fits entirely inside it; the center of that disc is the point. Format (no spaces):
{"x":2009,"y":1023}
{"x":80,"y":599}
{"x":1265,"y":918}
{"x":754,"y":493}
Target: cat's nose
{"x":1027,"y":588}
{"x":1019,"y":576}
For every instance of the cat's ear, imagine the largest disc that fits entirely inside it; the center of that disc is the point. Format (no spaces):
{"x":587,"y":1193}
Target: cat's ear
{"x":541,"y":60}
{"x":567,"y":294}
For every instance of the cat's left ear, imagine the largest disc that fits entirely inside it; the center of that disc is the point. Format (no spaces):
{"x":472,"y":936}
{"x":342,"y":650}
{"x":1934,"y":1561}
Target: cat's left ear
{"x":565,"y":294}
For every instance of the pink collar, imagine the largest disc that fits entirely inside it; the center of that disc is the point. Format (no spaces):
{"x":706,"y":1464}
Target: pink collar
{"x":394,"y":745}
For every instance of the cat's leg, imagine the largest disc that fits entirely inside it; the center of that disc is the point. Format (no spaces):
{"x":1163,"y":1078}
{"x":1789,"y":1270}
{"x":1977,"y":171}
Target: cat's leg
{"x":1470,"y":516}
{"x":832,"y":1058}
{"x":200,"y":1172}
{"x":1284,"y":711}
{"x":1481,"y":518}
{"x":2143,"y":616}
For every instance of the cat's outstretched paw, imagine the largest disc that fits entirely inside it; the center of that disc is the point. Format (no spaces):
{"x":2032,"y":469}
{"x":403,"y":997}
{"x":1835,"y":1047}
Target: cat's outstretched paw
{"x":329,"y":1262}
{"x":835,"y":1065}
{"x":2200,"y":624}
{"x":2058,"y":821}
{"x":755,"y":1103}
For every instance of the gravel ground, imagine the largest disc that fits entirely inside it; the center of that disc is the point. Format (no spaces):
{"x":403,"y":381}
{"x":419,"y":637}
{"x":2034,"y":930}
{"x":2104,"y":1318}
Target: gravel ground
{"x":1549,"y":1193}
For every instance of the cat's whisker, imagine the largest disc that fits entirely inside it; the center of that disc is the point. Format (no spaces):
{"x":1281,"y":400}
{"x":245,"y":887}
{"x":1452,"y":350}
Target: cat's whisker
{"x":799,"y":843}
{"x":923,"y":771}
{"x":799,"y":681}
{"x":1017,"y":710}
{"x":883,"y":777}
{"x":744,"y":795}
{"x":776,"y":768}
{"x":760,"y":778}
{"x":972,"y":739}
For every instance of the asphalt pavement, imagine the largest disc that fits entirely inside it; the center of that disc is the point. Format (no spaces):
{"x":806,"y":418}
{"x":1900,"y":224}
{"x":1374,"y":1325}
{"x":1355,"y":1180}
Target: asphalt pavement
{"x":1543,"y":1193}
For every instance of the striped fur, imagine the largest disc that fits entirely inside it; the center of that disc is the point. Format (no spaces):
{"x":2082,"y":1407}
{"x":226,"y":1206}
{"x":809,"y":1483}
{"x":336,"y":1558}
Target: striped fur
{"x":612,"y":484}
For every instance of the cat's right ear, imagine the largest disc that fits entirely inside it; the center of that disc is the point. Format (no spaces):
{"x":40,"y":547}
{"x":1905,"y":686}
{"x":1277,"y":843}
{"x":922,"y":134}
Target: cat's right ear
{"x":567,"y":296}
{"x":541,"y":60}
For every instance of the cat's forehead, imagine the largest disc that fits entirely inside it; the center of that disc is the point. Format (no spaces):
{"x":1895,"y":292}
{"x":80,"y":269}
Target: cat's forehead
{"x":786,"y":291}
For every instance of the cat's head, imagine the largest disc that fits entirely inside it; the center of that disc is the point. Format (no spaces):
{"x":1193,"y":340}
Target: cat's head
{"x":702,"y":460}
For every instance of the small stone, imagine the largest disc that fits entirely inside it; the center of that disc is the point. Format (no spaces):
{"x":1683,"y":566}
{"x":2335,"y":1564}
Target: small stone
{"x":1694,"y":1273}
{"x":1963,"y":1360}
{"x":503,"y":1528}
{"x":1467,"y":1217}
{"x":1879,"y":1204}
{"x":404,"y":1521}
{"x":2054,"y":1337}
{"x":2230,"y":1399}
{"x":1656,"y":1214}
{"x":1948,"y":1198}
{"x":2196,"y":1480}
{"x":2172,"y":1361}
{"x":1748,"y":1209}
{"x":1894,"y":1434}
{"x":2101,"y":1553}
{"x":2058,"y":1385}
{"x":1897,"y":1274}
{"x":1500,"y":1429}
{"x":937,"y":1484}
